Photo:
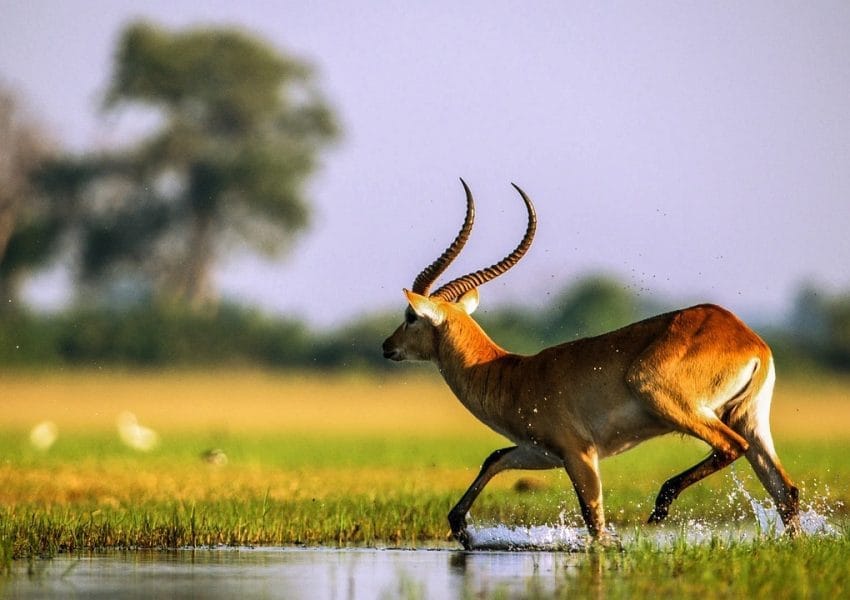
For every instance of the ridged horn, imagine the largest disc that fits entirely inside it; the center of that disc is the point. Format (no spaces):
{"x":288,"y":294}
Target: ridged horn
{"x":454,"y":289}
{"x":429,"y":274}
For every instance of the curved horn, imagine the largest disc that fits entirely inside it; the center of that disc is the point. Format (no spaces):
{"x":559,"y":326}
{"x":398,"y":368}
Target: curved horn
{"x":457,"y":287}
{"x":430,"y":273}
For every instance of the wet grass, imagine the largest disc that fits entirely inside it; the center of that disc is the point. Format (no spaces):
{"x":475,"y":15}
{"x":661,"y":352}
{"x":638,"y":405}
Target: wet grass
{"x":801,"y":568}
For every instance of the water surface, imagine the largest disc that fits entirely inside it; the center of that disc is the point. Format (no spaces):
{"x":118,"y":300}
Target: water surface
{"x":291,"y":573}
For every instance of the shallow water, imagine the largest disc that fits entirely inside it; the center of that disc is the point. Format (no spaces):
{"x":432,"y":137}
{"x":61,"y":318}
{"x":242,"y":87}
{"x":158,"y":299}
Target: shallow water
{"x":291,"y":573}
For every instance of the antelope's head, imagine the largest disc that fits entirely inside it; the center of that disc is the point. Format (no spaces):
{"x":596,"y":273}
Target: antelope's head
{"x":428,"y":316}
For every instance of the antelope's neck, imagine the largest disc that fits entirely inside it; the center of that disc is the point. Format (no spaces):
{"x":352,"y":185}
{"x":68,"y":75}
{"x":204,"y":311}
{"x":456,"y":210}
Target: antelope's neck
{"x":475,"y":368}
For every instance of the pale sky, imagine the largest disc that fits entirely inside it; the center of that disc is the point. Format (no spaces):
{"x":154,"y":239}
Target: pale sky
{"x":699,"y":151}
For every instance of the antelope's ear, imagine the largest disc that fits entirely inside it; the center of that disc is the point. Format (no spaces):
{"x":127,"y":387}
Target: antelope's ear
{"x":469,"y":301}
{"x":425,"y":308}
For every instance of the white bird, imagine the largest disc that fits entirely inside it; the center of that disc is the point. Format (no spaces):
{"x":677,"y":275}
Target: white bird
{"x":44,"y":435}
{"x":135,"y":435}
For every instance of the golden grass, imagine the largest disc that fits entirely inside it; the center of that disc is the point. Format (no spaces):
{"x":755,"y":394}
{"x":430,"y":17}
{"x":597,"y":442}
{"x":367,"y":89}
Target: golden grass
{"x":255,"y":401}
{"x":811,"y":407}
{"x":234,"y":401}
{"x":112,"y":485}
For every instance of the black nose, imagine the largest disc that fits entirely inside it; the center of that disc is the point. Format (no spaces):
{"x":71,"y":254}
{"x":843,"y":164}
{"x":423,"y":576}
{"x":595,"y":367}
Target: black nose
{"x":390,"y":352}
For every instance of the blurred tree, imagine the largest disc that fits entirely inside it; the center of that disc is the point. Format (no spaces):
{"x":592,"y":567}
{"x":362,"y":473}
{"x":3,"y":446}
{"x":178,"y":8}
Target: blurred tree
{"x":820,"y":325}
{"x":839,"y":332}
{"x":810,"y":316}
{"x":29,"y":225}
{"x":516,"y":328}
{"x":240,"y":130}
{"x":356,"y":344}
{"x":593,"y":305}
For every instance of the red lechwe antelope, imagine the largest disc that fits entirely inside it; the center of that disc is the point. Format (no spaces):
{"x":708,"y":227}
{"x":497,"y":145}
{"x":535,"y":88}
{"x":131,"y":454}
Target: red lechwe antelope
{"x":699,"y":371}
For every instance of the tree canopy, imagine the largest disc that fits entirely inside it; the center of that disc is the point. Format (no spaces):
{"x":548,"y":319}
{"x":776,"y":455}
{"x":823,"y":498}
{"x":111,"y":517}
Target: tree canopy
{"x":240,"y":130}
{"x":28,"y":225}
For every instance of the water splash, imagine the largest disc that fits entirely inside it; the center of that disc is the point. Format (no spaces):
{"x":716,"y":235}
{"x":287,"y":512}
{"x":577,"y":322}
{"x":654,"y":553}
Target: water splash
{"x":559,"y":537}
{"x":768,"y":521}
{"x":535,"y":537}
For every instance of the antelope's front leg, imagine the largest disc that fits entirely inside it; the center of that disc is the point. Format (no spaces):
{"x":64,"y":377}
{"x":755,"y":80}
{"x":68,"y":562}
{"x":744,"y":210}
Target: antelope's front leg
{"x":583,"y":469}
{"x":515,"y":457}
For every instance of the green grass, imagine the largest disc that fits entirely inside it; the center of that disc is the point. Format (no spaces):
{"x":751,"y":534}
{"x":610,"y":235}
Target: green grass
{"x":801,"y":568}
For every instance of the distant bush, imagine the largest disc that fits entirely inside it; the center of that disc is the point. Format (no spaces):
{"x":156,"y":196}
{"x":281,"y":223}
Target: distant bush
{"x":358,"y":344}
{"x":28,"y":340}
{"x":151,"y":335}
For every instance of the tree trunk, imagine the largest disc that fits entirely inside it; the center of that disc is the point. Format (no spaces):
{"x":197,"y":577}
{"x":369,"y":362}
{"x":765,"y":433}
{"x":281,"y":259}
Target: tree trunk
{"x":8,"y":205}
{"x":8,"y":212}
{"x":196,"y":288}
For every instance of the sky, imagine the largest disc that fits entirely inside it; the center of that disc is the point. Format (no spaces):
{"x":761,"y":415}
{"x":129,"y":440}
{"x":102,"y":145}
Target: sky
{"x":697,"y":151}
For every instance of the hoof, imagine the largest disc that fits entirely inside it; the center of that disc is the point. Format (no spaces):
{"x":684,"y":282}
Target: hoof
{"x":463,"y":538}
{"x":457,"y":522}
{"x":793,"y":528}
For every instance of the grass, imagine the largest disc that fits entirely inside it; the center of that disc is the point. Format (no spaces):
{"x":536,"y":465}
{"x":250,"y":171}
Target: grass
{"x":351,"y":460}
{"x":802,"y":568}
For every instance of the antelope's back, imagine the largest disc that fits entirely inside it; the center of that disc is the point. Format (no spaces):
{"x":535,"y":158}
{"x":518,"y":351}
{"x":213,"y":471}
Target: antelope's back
{"x":698,"y":350}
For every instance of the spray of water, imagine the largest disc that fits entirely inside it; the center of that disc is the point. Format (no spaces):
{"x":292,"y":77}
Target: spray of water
{"x":558,"y":537}
{"x":535,"y":537}
{"x":814,"y":519}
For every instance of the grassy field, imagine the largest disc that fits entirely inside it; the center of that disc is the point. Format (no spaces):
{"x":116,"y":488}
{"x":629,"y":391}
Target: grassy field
{"x":348,"y":460}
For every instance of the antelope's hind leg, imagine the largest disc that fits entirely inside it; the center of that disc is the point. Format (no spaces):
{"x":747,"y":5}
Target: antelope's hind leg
{"x":754,"y":425}
{"x":727,"y":446}
{"x":672,"y":403}
{"x":753,"y":422}
{"x":675,"y":485}
{"x":515,"y":457}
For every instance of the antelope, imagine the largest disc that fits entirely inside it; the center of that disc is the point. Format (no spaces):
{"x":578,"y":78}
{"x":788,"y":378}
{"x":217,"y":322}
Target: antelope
{"x":698,"y":371}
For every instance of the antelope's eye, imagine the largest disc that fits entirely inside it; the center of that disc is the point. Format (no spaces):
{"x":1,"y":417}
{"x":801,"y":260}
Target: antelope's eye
{"x":409,"y":316}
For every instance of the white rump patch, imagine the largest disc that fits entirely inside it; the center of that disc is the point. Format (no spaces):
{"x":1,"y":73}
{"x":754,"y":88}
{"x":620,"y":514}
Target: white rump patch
{"x":734,"y":386}
{"x":762,"y":400}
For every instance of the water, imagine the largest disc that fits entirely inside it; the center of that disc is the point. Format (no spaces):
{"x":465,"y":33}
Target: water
{"x":292,"y":573}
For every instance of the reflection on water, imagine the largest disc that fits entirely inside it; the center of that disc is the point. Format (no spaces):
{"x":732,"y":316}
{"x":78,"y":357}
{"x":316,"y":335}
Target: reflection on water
{"x":293,"y":573}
